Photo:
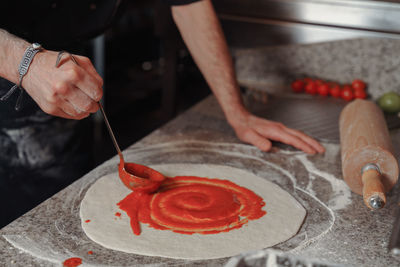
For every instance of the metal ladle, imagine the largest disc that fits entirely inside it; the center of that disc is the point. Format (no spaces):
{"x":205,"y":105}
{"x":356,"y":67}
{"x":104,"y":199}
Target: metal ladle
{"x":134,"y":176}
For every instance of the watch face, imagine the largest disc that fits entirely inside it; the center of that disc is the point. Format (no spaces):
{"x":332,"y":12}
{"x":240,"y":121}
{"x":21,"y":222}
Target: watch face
{"x":36,"y":46}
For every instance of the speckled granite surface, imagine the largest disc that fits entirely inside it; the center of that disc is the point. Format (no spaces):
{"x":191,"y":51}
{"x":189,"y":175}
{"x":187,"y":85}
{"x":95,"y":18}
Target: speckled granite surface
{"x":272,"y":69}
{"x":338,"y":227}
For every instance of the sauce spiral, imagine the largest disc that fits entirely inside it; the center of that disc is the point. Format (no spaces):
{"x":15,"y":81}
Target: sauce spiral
{"x":189,"y":204}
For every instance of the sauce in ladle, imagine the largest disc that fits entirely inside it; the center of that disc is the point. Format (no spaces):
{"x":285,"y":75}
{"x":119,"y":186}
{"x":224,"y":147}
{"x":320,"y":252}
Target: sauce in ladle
{"x":135,"y":176}
{"x":139,"y":177}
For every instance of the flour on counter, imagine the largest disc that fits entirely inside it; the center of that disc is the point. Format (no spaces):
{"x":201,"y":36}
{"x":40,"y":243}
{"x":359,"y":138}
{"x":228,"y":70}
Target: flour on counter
{"x":342,"y":194}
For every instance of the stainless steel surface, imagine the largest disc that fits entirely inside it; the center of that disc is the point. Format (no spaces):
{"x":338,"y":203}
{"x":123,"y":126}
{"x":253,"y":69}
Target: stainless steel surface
{"x":368,"y":15}
{"x":256,"y":32}
{"x":307,"y":21}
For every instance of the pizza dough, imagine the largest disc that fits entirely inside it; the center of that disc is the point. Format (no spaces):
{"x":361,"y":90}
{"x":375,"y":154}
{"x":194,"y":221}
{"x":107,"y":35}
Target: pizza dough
{"x":283,"y":219}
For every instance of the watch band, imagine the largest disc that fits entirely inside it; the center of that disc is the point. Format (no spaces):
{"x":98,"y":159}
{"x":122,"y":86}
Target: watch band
{"x":23,"y":68}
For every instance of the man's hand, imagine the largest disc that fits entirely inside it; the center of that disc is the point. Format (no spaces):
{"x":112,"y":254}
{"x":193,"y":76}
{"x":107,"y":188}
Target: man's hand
{"x":70,"y":91}
{"x":258,"y":132}
{"x":203,"y":36}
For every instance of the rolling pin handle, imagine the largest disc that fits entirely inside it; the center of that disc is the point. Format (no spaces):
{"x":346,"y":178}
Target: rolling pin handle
{"x":373,"y":189}
{"x":370,"y":166}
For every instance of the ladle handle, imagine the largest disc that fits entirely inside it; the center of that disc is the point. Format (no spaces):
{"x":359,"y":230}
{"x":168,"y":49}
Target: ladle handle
{"x":59,"y":56}
{"x":111,"y":132}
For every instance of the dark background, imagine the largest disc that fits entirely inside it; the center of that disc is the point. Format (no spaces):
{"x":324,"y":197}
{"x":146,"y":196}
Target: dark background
{"x":138,"y":67}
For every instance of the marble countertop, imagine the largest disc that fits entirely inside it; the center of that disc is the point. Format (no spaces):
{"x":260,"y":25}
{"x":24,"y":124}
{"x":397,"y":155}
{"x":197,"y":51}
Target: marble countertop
{"x":273,"y":68}
{"x":338,"y":228}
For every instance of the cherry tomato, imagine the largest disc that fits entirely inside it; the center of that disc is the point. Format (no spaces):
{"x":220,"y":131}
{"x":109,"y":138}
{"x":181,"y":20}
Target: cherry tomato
{"x":360,"y":94}
{"x":311,"y":88}
{"x":332,"y":84}
{"x":335,"y":91}
{"x":347,"y":87}
{"x":298,"y":86}
{"x":307,"y":80}
{"x":323,"y":89}
{"x":347,"y":93}
{"x":358,"y":85}
{"x":319,"y":82}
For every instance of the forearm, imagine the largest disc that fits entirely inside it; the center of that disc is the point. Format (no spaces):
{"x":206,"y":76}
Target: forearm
{"x":202,"y":33}
{"x":11,"y":51}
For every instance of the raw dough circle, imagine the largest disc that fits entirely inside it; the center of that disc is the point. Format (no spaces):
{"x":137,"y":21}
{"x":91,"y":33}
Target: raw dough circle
{"x":283,"y":219}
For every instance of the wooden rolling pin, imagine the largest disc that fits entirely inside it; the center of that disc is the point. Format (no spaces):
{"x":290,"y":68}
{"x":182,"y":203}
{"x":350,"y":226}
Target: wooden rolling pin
{"x":368,"y":165}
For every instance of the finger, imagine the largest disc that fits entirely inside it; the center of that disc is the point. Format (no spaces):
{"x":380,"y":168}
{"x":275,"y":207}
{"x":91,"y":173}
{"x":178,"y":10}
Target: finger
{"x":85,"y":63}
{"x":62,"y":114}
{"x":90,"y":87}
{"x":80,"y":101}
{"x":82,"y":62}
{"x":311,"y":141}
{"x":283,"y":136}
{"x":68,"y":108}
{"x":257,"y":140}
{"x":59,"y":112}
{"x":86,"y":83}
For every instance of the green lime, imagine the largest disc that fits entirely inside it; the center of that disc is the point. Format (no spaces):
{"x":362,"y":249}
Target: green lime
{"x":389,"y":102}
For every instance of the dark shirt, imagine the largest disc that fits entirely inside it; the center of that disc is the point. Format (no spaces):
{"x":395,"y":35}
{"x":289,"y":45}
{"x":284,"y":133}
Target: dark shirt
{"x":55,"y":23}
{"x":41,"y":154}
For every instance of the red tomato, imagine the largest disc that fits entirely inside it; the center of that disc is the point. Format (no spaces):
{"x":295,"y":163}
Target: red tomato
{"x":298,"y":86}
{"x":335,"y":91}
{"x":307,"y":80}
{"x":347,"y":93}
{"x":332,"y":84}
{"x":318,"y":82}
{"x":323,"y":89}
{"x":360,"y":94}
{"x":347,"y":87}
{"x":358,"y":85}
{"x":311,"y":88}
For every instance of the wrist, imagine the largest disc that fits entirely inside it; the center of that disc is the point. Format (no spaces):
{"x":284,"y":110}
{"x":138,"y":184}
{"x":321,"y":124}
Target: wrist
{"x":23,"y":68}
{"x":232,"y":105}
{"x":237,"y":115}
{"x":11,"y":58}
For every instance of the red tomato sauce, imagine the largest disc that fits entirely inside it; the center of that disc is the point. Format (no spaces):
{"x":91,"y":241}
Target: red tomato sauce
{"x":72,"y":262}
{"x":150,"y":184}
{"x":189,"y":204}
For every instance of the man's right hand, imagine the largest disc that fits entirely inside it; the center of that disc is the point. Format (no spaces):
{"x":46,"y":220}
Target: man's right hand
{"x":69,"y":91}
